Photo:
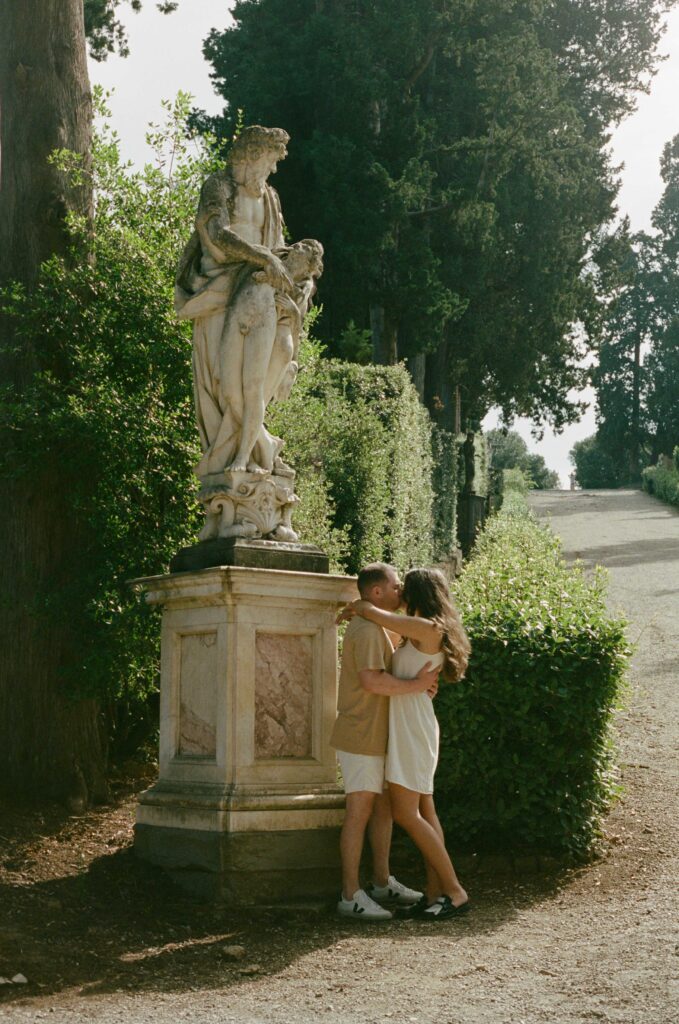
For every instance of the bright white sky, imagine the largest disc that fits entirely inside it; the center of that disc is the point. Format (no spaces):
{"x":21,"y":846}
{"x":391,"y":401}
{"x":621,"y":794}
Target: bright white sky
{"x":166,"y":56}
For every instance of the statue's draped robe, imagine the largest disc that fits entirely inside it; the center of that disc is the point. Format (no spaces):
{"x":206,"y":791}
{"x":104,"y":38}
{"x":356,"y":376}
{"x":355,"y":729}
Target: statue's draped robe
{"x":206,"y":288}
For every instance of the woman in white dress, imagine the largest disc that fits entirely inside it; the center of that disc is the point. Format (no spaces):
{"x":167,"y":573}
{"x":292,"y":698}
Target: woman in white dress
{"x":431,"y":631}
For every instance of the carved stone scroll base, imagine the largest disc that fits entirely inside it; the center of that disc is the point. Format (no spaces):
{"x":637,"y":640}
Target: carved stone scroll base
{"x":252,"y":505}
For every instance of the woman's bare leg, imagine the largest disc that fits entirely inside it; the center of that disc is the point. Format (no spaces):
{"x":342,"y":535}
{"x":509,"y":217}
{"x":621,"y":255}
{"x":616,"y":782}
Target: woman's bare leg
{"x":434,"y":887}
{"x":405,"y":804}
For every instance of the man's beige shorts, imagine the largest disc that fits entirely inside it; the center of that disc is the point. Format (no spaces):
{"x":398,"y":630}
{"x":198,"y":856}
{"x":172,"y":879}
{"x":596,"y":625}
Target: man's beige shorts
{"x":362,"y":773}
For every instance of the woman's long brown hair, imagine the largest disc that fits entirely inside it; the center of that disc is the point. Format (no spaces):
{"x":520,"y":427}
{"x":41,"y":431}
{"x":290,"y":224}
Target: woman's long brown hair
{"x":426,"y":592}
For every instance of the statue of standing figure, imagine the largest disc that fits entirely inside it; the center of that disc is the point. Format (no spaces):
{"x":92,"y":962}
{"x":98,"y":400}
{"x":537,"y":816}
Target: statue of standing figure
{"x":247,"y":293}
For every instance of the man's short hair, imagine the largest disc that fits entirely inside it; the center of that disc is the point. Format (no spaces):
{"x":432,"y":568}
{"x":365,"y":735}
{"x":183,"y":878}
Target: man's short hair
{"x":372,"y":575}
{"x":255,"y":140}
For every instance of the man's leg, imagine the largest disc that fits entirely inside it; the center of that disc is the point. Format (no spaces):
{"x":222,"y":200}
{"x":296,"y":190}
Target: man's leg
{"x":380,"y":827}
{"x":358,"y":810}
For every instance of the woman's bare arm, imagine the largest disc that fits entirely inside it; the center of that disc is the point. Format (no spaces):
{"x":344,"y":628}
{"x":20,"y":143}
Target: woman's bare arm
{"x":410,"y":626}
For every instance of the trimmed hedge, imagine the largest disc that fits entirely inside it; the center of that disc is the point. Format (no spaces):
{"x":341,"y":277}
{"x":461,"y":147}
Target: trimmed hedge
{"x":662,"y":481}
{"x":361,"y":443}
{"x":525,"y":741}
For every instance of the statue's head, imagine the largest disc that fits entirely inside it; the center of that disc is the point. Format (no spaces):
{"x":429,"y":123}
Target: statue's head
{"x":259,"y":147}
{"x":304,"y":259}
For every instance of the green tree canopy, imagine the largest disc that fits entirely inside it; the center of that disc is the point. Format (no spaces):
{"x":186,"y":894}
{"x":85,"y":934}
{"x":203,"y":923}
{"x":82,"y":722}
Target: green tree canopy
{"x":508,"y":450}
{"x":105,"y":32}
{"x":594,"y":466}
{"x":637,"y":374}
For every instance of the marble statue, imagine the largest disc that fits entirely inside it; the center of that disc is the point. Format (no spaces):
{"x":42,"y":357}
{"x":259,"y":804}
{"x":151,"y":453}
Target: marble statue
{"x":247,"y":293}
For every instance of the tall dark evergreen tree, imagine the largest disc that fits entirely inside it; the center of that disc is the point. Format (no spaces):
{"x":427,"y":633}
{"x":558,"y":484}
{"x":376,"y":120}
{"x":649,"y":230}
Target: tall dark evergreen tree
{"x":662,"y":363}
{"x":637,"y":375}
{"x":452,"y":158}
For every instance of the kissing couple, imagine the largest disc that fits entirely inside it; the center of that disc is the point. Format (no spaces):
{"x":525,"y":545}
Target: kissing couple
{"x":400,"y":639}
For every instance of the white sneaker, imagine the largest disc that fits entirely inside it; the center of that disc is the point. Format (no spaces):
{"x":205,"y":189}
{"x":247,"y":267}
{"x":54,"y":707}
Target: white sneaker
{"x":394,"y":893}
{"x":361,"y":907}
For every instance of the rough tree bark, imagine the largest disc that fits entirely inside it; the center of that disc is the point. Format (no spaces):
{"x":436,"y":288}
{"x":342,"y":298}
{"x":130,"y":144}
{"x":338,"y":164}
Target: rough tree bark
{"x":50,"y":742}
{"x":635,"y":445}
{"x":384,"y":335}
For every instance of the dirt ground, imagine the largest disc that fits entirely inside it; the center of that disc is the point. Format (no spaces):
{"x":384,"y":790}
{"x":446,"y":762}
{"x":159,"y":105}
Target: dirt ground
{"x":101,"y":937}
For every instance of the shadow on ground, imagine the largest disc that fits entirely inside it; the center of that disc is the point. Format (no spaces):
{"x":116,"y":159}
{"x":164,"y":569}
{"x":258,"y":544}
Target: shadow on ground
{"x":119,"y":925}
{"x":634,"y":552}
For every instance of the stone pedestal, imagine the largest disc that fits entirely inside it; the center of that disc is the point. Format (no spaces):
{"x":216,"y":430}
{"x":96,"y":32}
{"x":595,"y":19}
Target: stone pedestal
{"x":247,"y":808}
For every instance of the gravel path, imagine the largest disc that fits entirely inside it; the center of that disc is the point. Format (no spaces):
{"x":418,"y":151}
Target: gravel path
{"x":596,"y":944}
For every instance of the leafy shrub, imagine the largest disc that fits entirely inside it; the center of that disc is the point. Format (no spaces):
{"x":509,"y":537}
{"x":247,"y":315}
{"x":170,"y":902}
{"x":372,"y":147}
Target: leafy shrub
{"x":304,"y":421}
{"x":662,"y":481}
{"x":508,"y":450}
{"x":111,"y":409}
{"x":515,"y":480}
{"x":525,"y":745}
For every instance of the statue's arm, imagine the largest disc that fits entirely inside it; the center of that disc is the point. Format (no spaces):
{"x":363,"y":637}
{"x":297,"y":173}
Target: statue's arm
{"x":233,"y":248}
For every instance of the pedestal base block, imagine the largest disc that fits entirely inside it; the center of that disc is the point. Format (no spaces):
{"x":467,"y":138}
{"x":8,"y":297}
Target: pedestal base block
{"x":251,"y":554}
{"x":246,"y":868}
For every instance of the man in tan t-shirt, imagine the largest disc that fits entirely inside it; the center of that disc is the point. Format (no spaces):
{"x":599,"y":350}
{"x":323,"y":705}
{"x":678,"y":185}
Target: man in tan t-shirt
{"x":360,"y":739}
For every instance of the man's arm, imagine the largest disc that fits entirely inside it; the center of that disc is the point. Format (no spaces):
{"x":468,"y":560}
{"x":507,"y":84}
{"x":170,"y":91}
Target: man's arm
{"x":381,"y":682}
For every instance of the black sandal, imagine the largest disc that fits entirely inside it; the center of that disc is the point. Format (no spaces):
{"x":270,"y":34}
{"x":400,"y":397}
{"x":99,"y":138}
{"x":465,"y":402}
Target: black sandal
{"x":443,"y":909}
{"x":415,"y":910}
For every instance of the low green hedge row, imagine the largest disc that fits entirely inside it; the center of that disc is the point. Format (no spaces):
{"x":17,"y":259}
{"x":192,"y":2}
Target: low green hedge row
{"x":525,"y":737}
{"x":663,"y":481}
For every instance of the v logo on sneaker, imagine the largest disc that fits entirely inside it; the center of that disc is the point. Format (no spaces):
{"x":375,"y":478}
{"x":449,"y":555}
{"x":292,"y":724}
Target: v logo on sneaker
{"x":358,"y":910}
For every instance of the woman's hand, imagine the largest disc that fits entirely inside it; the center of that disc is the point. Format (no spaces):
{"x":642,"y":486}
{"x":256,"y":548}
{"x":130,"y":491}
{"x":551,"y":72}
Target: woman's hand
{"x":345,"y":615}
{"x":358,"y":607}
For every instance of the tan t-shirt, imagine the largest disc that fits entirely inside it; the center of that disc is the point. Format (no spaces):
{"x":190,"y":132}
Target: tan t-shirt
{"x":362,"y":725}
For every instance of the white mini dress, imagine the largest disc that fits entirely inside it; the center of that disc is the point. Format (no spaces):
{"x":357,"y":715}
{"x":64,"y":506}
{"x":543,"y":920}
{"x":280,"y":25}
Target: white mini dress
{"x":413,"y":748}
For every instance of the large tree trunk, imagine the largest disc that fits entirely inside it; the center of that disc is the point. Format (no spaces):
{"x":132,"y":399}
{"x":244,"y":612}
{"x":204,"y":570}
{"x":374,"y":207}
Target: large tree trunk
{"x":50,"y":741}
{"x":384,"y":336}
{"x":635,"y":453}
{"x":417,"y":366}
